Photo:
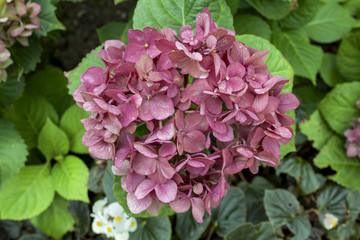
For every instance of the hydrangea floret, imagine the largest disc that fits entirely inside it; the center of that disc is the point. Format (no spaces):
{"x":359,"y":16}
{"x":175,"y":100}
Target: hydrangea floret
{"x":353,"y":138}
{"x":111,"y":220}
{"x":18,"y":20}
{"x":210,"y":106}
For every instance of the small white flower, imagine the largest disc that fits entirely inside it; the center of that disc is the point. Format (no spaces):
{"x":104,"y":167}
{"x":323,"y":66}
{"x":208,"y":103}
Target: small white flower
{"x":132,"y":224}
{"x":99,"y":224}
{"x":122,"y":236}
{"x":330,"y":221}
{"x":120,"y":220}
{"x":99,"y":205}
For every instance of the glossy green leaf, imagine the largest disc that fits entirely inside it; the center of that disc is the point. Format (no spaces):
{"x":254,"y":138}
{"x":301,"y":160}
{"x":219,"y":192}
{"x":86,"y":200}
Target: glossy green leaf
{"x":107,"y":182}
{"x":27,"y":194}
{"x":158,"y":228}
{"x":329,"y":71}
{"x":187,"y":228}
{"x":70,"y":179}
{"x":353,"y":200}
{"x":333,"y":155}
{"x":11,"y":89}
{"x":251,"y":24}
{"x":262,"y":231}
{"x":332,"y":199}
{"x":329,"y":24}
{"x":272,"y":9}
{"x":176,"y":13}
{"x":231,"y":212}
{"x":302,"y":171}
{"x":278,"y":66}
{"x":96,"y":176}
{"x":90,"y":60}
{"x":303,"y":56}
{"x":13,"y":151}
{"x":282,"y":207}
{"x":51,"y":84}
{"x":56,"y":220}
{"x":47,"y":16}
{"x":53,"y":142}
{"x":81,"y":214}
{"x":339,"y":106}
{"x":70,"y":122}
{"x":348,"y":57}
{"x":26,"y":58}
{"x":29,"y":113}
{"x":113,"y":30}
{"x":316,"y":130}
{"x":254,"y":191}
{"x":121,"y":195}
{"x":301,"y":15}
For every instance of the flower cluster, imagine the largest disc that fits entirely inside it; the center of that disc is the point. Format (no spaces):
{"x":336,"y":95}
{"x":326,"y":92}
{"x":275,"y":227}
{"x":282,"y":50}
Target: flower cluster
{"x":208,"y":102}
{"x":111,"y":220}
{"x":330,"y":221}
{"x":353,"y":138}
{"x":17,"y":22}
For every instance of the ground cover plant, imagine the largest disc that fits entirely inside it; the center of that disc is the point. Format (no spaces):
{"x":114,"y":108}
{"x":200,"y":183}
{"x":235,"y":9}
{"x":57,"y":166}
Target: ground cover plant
{"x":179,"y":119}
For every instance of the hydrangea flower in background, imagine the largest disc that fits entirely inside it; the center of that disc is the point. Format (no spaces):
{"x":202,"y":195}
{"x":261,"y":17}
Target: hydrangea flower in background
{"x":111,"y":220}
{"x":208,"y":102}
{"x":17,"y":23}
{"x":353,"y":138}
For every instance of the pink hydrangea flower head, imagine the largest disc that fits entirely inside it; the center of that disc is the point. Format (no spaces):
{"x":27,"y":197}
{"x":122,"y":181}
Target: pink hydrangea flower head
{"x":202,"y":106}
{"x":352,"y":135}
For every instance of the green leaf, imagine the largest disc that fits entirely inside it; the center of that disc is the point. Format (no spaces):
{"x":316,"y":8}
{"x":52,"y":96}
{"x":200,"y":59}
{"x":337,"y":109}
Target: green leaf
{"x":29,"y":113}
{"x":347,"y":169}
{"x":121,"y":195}
{"x":348,"y":57}
{"x":303,"y":56}
{"x":96,"y":176}
{"x":56,"y":220}
{"x":47,"y":16}
{"x":332,"y":199}
{"x":352,"y":6}
{"x":70,"y":179}
{"x":11,"y":89}
{"x":309,"y":97}
{"x":278,"y":66}
{"x":251,"y":24}
{"x":187,"y":228}
{"x":81,"y":214}
{"x":27,"y":194}
{"x":53,"y":142}
{"x":302,"y":171}
{"x":262,"y":231}
{"x":27,"y":58}
{"x":152,"y":229}
{"x":13,"y":151}
{"x":71,"y":124}
{"x":316,"y":130}
{"x":272,"y":9}
{"x":254,"y":191}
{"x":353,"y":199}
{"x":329,"y":24}
{"x":33,"y":236}
{"x":339,"y":106}
{"x":281,"y":207}
{"x":233,"y":5}
{"x":231,"y":212}
{"x":301,"y":15}
{"x":119,"y":1}
{"x":52,"y":88}
{"x":107,"y":182}
{"x":113,"y":30}
{"x":90,"y":60}
{"x":329,"y":71}
{"x":176,"y":13}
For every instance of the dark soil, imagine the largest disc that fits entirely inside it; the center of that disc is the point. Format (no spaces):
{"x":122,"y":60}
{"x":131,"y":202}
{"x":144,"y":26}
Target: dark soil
{"x":81,"y":20}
